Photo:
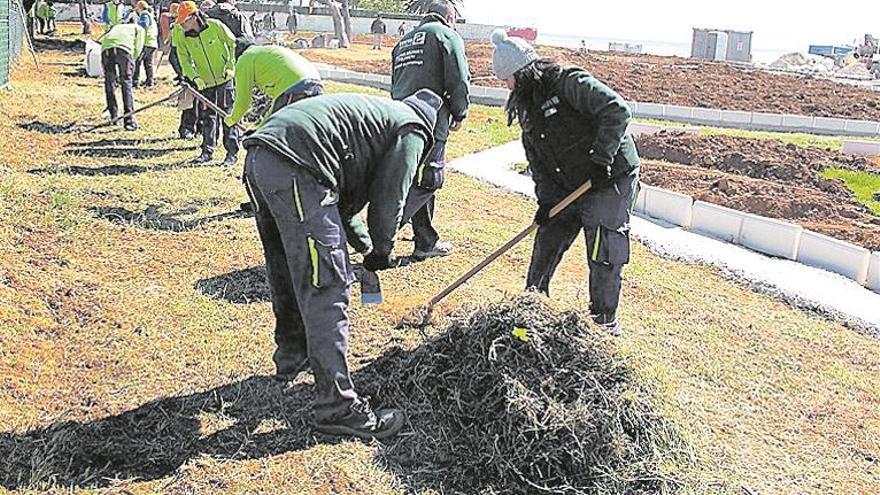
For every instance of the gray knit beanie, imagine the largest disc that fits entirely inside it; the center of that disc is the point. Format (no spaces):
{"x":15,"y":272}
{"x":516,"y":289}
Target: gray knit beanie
{"x":511,"y":54}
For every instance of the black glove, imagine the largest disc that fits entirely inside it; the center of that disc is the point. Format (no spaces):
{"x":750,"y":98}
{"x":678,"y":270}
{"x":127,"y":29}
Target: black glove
{"x":377,"y":262}
{"x":599,"y":175}
{"x":542,"y":216}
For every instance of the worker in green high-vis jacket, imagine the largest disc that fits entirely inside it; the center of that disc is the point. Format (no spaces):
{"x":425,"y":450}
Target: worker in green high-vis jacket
{"x":120,"y":47}
{"x":275,"y":71}
{"x":147,"y":20}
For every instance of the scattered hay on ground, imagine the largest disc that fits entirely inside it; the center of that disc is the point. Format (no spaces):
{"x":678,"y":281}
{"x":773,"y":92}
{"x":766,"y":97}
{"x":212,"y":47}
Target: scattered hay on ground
{"x":515,"y":399}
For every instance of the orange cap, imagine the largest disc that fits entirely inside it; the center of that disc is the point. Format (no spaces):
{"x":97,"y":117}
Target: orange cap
{"x":185,"y":10}
{"x":173,"y":8}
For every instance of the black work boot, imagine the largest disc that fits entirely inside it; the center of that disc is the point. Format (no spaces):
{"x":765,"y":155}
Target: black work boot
{"x":205,"y":157}
{"x":230,"y":160}
{"x":363,"y":422}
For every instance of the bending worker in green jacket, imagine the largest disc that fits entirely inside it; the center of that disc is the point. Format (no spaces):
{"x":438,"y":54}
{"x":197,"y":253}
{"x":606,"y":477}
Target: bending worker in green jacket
{"x":573,"y":130}
{"x":120,"y":47}
{"x":277,"y":72}
{"x":309,"y":170}
{"x":206,"y":53}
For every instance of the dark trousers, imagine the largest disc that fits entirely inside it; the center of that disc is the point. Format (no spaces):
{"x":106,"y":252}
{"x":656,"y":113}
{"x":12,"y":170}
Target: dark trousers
{"x":309,"y":274}
{"x":604,"y":216}
{"x":419,"y":207}
{"x":146,"y":59}
{"x":223,"y":96}
{"x":118,"y":67}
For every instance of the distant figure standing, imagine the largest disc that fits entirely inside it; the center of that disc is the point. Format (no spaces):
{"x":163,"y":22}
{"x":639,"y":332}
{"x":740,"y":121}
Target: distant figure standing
{"x":147,"y":20}
{"x":293,"y":22}
{"x":111,"y":15}
{"x":401,"y":30}
{"x":51,"y":13}
{"x":378,"y":29}
{"x":43,"y":16}
{"x":583,"y":49}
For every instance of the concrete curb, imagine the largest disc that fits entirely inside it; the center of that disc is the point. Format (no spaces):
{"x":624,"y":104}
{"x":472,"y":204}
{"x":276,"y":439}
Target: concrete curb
{"x":717,"y":221}
{"x":835,"y":256}
{"x":770,"y":236}
{"x":874,"y":273}
{"x":861,"y":148}
{"x":755,"y":121}
{"x":672,"y":207}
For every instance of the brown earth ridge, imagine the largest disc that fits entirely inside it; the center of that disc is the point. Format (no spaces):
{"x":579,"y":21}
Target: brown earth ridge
{"x":674,"y":81}
{"x":763,"y":177}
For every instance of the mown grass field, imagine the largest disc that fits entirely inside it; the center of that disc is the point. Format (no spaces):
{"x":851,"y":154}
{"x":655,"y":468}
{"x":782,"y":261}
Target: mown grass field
{"x":136,"y":337}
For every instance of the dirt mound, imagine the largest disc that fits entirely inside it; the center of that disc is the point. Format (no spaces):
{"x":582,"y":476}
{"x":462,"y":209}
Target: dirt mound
{"x":539,"y":403}
{"x":755,"y":158}
{"x":679,"y":81}
{"x":763,"y":177}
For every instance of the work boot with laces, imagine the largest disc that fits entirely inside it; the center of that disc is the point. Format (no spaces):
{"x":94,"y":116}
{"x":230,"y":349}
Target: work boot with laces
{"x":362,"y":422}
{"x":205,"y":157}
{"x":440,"y":249}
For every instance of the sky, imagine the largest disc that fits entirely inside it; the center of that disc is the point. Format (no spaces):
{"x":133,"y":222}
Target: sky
{"x":778,"y":25}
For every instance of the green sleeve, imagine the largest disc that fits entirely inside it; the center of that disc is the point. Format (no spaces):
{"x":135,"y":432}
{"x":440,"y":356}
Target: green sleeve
{"x":390,"y":186}
{"x":589,"y":96}
{"x":357,"y":234}
{"x":183,"y":56}
{"x":229,"y":40}
{"x":139,"y":38}
{"x":457,"y":76}
{"x":244,"y":84}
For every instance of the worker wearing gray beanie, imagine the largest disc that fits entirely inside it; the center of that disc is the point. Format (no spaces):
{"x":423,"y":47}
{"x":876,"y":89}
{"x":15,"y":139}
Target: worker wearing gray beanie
{"x":511,"y":54}
{"x":574,"y":131}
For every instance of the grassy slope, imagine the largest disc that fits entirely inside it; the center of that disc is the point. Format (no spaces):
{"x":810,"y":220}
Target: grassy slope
{"x":98,"y":318}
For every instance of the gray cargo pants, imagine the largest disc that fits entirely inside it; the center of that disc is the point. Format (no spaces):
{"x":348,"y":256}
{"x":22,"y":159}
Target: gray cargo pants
{"x":604,"y":217}
{"x":309,"y":274}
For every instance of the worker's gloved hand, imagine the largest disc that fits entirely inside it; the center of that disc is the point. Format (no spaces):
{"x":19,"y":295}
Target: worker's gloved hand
{"x":600,"y":175}
{"x":376,"y":262}
{"x":542,"y":216}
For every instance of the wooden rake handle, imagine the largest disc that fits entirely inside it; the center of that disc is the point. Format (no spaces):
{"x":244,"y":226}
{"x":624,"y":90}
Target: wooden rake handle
{"x":571,"y":198}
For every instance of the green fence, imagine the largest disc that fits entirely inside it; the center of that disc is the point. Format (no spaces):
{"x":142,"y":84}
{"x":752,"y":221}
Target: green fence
{"x":12,"y":28}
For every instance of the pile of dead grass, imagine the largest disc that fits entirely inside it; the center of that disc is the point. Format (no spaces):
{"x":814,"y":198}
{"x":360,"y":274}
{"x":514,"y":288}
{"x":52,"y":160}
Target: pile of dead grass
{"x":515,"y":399}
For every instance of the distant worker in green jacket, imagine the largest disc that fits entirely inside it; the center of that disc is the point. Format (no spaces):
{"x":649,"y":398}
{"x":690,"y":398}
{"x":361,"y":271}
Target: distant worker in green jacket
{"x":51,"y":14}
{"x":206,"y":53}
{"x":277,"y":72}
{"x":432,"y":56}
{"x":574,"y":129}
{"x":112,"y":13}
{"x":147,"y":20}
{"x":120,"y":47}
{"x":310,"y":169}
{"x":42,"y":10}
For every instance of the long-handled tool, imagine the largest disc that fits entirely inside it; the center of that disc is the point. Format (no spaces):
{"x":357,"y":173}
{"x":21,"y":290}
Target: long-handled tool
{"x":423,"y":315}
{"x":110,"y":122}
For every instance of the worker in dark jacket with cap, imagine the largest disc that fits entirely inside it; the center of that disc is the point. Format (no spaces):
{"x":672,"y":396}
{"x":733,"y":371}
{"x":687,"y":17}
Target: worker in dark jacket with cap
{"x":573,"y":130}
{"x":310,"y":169}
{"x":432,"y":56}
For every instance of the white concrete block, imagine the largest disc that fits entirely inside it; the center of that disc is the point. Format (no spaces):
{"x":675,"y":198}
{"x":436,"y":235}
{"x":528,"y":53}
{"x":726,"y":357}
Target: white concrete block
{"x":862,"y":127}
{"x":717,"y":221}
{"x":769,"y":236}
{"x":633,"y":106}
{"x":640,"y":199}
{"x":737,"y":118}
{"x":678,"y":112}
{"x":707,"y":115}
{"x":829,"y":124}
{"x":874,"y":273}
{"x":797,"y":122}
{"x":861,"y":148}
{"x":673,"y":207}
{"x":651,"y":110}
{"x":500,"y":93}
{"x":766,"y":120}
{"x":638,"y":129}
{"x":833,"y":255}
